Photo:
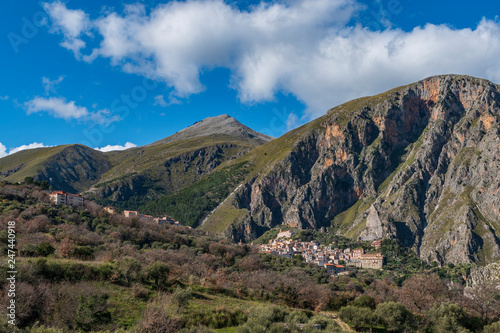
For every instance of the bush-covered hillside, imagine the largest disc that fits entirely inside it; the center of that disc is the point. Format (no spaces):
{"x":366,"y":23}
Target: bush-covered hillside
{"x":82,"y":270}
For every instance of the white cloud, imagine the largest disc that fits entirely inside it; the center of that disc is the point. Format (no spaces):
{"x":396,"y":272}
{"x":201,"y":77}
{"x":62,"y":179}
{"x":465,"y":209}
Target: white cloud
{"x":292,"y":122}
{"x":3,"y":149}
{"x":60,"y":108}
{"x":116,"y":147}
{"x":50,"y":85}
{"x":4,"y":98}
{"x":302,"y":47}
{"x":71,"y":23}
{"x":160,"y":100}
{"x":26,"y":147}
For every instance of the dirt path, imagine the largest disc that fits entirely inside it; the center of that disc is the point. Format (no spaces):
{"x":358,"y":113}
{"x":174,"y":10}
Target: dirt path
{"x":342,"y":324}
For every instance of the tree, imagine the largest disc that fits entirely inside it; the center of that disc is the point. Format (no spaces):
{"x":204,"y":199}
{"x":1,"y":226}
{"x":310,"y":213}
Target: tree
{"x":130,"y":268}
{"x":158,"y":272}
{"x":92,"y":311}
{"x":157,"y":319}
{"x":493,"y":328}
{"x":421,"y":291}
{"x":484,"y":297}
{"x":448,"y":318}
{"x":44,"y":249}
{"x":44,"y":185}
{"x":29,"y":180}
{"x":395,"y":316}
{"x":364,"y":301}
{"x":181,"y":298}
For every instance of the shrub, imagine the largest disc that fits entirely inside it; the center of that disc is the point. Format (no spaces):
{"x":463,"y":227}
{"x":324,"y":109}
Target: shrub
{"x":395,"y":316}
{"x":364,"y":301}
{"x":359,"y":317}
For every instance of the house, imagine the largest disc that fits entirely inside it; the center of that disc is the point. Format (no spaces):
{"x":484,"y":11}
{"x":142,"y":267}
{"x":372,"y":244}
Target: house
{"x":160,"y":220}
{"x":338,"y":268}
{"x":329,"y":268}
{"x":374,"y":261}
{"x":357,"y":253}
{"x":377,"y":244}
{"x":131,"y":213}
{"x":64,"y":198}
{"x":334,"y":269}
{"x":285,"y":234}
{"x":109,"y":209}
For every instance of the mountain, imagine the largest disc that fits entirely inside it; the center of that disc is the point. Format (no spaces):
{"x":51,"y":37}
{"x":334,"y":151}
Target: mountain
{"x":419,"y":163}
{"x":72,"y":168}
{"x":219,"y":125}
{"x":129,"y":178}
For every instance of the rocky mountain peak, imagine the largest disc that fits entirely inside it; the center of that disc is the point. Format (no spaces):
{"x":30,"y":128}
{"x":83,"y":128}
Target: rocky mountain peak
{"x":219,"y":125}
{"x":419,"y":163}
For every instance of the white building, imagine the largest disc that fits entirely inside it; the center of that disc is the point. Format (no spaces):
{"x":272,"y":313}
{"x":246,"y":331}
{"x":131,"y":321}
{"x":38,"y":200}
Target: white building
{"x":63,"y":198}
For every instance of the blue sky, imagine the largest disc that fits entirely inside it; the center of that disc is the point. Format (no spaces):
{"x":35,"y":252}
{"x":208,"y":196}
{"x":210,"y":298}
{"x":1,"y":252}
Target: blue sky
{"x":112,"y":74}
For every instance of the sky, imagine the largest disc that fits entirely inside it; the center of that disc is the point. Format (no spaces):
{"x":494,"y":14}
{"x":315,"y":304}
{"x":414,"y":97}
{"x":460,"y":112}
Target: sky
{"x":118,"y":74}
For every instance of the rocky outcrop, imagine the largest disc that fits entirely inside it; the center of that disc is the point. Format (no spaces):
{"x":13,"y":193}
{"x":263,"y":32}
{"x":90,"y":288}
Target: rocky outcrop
{"x":420,"y":163}
{"x":374,"y":229}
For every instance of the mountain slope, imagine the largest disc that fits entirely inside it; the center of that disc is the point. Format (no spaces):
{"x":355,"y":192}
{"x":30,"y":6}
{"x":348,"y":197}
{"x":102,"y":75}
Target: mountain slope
{"x":220,"y":125}
{"x":419,"y":163}
{"x":129,"y":178}
{"x":71,"y":168}
{"x":143,"y":173}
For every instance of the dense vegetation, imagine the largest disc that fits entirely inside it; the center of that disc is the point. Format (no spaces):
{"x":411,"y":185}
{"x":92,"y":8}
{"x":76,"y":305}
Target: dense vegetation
{"x":192,"y":203}
{"x":82,"y":269}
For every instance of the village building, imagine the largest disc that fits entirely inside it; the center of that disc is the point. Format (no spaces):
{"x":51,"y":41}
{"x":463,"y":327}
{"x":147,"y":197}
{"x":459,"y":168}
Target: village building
{"x":377,"y":244}
{"x":109,"y":210}
{"x":374,"y":261}
{"x":64,"y":198}
{"x":285,"y":234}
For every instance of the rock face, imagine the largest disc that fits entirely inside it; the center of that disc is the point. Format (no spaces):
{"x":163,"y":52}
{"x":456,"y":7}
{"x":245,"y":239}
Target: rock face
{"x":373,"y":229}
{"x":419,"y":163}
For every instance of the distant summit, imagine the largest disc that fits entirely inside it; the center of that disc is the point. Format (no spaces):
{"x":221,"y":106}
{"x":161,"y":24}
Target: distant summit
{"x":220,"y":125}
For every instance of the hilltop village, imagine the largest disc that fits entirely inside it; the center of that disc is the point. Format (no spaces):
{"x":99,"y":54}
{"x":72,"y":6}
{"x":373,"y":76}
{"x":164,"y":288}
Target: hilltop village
{"x":333,"y":259}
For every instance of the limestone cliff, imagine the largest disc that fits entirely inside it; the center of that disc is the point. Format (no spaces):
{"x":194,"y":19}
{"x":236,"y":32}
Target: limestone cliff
{"x":419,"y":163}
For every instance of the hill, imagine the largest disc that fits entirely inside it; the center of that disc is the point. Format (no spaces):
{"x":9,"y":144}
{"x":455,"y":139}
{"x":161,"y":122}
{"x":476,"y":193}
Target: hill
{"x":81,"y":269}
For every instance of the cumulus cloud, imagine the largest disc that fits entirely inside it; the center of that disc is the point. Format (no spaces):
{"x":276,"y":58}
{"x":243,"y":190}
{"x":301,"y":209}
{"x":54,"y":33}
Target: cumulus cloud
{"x":50,"y":85}
{"x":61,"y":108}
{"x":302,"y":47}
{"x":3,"y":149}
{"x":116,"y":147}
{"x":71,"y":23}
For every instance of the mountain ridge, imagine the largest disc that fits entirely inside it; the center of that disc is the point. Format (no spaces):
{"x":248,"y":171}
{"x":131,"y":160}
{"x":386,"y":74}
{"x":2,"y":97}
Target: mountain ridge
{"x":378,"y":167}
{"x":160,"y":168}
{"x":419,"y":163}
